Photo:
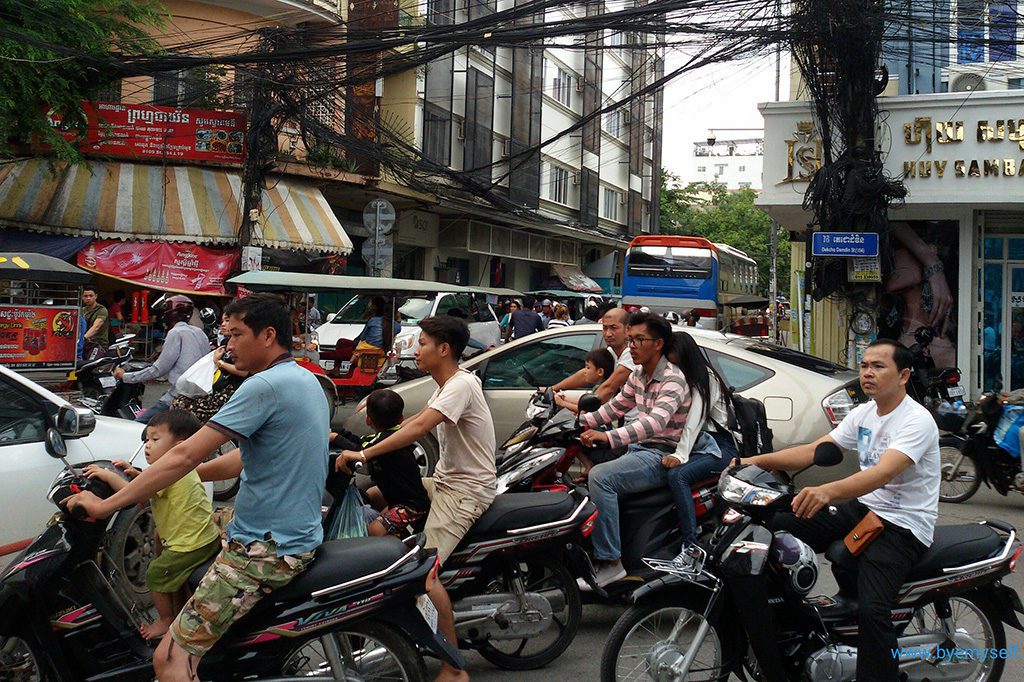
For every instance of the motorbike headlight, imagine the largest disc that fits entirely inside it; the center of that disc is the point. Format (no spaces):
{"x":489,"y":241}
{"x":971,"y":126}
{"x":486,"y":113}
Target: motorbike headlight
{"x":738,"y":492}
{"x":519,"y":438}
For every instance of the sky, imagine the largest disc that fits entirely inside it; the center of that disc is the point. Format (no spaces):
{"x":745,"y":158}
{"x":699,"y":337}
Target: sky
{"x":720,"y":96}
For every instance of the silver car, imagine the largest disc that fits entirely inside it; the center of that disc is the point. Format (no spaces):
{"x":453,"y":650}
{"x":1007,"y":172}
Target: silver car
{"x":804,"y":396}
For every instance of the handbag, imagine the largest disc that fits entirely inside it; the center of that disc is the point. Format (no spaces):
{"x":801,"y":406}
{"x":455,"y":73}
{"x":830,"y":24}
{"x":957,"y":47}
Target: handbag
{"x":863,"y":534}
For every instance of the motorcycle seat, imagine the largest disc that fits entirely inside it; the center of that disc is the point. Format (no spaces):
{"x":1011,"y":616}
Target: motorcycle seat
{"x":336,"y":561}
{"x":951,"y":546}
{"x":521,"y":510}
{"x":658,"y":498}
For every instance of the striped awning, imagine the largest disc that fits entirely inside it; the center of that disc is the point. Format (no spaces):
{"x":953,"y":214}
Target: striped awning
{"x":163,"y":203}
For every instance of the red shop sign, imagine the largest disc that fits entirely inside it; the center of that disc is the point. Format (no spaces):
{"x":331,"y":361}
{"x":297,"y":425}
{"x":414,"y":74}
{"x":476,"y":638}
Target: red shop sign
{"x":38,"y":337}
{"x":143,"y":131}
{"x":178,"y":267}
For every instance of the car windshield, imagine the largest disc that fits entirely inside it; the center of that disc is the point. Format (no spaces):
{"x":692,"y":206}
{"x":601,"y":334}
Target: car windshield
{"x":789,"y":356}
{"x":357,"y":310}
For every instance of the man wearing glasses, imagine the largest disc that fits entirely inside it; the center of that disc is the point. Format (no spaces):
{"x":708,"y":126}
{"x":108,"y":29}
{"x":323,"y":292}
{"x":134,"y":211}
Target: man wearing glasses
{"x":658,"y":391}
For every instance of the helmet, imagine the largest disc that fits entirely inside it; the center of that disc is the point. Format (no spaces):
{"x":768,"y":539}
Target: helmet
{"x":795,"y":560}
{"x":208,"y":315}
{"x":672,"y":317}
{"x":173,"y":309}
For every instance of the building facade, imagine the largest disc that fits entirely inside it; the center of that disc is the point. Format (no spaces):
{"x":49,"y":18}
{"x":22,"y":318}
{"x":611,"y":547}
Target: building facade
{"x":734,"y":163}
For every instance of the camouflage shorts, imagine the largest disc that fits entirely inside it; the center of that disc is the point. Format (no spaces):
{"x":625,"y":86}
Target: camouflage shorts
{"x":239,"y":577}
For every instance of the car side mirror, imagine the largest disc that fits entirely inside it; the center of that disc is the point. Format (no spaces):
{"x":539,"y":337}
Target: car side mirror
{"x":75,"y":422}
{"x":827,"y":454}
{"x":55,"y":445}
{"x":589,"y":402}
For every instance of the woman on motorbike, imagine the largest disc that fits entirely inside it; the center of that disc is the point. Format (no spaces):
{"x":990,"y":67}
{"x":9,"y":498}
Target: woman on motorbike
{"x":705,"y":448}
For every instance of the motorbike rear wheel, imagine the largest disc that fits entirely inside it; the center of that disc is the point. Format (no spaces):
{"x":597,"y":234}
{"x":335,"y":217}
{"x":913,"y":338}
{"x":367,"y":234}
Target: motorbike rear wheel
{"x":639,"y":644}
{"x":539,"y":573}
{"x":361,"y":651}
{"x":960,"y":478}
{"x":970,"y":618}
{"x":228,"y":488}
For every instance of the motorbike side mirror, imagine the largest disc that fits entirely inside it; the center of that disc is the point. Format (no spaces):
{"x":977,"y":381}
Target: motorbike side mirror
{"x":827,"y":454}
{"x":589,"y":402}
{"x":55,"y":445}
{"x":75,"y":422}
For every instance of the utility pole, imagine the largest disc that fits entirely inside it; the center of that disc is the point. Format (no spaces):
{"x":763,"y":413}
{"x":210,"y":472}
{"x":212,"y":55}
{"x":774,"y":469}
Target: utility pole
{"x":261,"y":144}
{"x":773,"y":281}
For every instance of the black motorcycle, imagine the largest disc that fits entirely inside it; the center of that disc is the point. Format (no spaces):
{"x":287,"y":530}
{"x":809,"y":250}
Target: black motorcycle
{"x":930,"y":385}
{"x":695,"y":623}
{"x":979,"y":459}
{"x":101,"y":391}
{"x":358,"y":612}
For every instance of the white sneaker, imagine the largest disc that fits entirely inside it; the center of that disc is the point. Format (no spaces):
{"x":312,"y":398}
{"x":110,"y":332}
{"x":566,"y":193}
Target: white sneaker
{"x":606,"y":574}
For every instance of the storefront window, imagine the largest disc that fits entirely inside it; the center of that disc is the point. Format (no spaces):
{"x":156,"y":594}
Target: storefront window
{"x":994,"y":248}
{"x":1015,"y":248}
{"x":993,"y":325}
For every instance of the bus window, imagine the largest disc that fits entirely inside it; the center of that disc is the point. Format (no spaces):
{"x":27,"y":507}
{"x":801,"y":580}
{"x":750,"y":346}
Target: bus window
{"x":670,"y":261}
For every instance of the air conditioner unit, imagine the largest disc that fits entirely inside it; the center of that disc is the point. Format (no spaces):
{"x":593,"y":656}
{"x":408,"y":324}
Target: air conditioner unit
{"x":577,"y":178}
{"x":624,"y":116}
{"x":506,"y":149}
{"x":968,"y":82}
{"x":579,"y":85}
{"x":460,"y":130}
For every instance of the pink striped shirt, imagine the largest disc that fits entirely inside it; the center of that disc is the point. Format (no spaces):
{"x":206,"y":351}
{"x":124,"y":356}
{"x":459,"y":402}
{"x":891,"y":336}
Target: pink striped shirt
{"x":662,"y":402}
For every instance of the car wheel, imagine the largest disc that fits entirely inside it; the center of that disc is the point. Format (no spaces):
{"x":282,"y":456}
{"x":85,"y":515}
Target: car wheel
{"x":426,"y":452}
{"x":128,"y":548}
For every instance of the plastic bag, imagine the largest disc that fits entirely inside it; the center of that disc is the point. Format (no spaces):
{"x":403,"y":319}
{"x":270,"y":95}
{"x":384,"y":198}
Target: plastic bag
{"x":349,"y":521}
{"x":1007,"y":434}
{"x":197,"y":380}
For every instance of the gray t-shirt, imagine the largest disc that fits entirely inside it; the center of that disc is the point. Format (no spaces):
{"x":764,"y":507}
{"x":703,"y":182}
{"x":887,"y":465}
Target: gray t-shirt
{"x":911,"y":499}
{"x":466,"y":438}
{"x":280,"y":417}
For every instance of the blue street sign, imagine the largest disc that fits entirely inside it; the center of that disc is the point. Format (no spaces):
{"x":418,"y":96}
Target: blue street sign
{"x":844,"y":244}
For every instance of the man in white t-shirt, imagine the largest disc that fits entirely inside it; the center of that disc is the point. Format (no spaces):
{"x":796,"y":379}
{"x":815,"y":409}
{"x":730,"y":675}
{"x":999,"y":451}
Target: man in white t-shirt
{"x":897,"y":444}
{"x":465,"y":479}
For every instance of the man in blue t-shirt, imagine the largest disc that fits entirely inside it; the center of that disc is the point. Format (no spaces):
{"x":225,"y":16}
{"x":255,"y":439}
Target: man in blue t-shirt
{"x":276,"y":526}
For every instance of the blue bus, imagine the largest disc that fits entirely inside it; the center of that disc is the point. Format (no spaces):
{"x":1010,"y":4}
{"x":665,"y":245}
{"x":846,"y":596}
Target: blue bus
{"x":680,"y":273}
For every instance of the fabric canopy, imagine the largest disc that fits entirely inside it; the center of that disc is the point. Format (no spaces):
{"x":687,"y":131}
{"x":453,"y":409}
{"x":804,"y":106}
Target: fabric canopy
{"x":54,"y":245}
{"x":746,"y":300}
{"x":270,"y":280}
{"x":574,"y":279}
{"x":162,"y":203}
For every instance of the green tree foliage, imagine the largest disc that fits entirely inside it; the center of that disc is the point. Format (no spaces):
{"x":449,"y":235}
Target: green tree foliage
{"x":709,"y":210}
{"x":44,"y":65}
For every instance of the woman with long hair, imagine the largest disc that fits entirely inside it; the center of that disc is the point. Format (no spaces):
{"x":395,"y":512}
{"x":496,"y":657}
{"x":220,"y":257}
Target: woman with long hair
{"x":705,"y":447}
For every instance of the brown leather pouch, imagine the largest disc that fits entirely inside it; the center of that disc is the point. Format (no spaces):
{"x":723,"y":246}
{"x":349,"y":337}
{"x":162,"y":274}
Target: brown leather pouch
{"x":863,"y":534}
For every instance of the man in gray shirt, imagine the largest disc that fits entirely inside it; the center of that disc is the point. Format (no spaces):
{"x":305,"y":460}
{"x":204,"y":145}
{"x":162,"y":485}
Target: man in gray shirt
{"x":183,"y":347}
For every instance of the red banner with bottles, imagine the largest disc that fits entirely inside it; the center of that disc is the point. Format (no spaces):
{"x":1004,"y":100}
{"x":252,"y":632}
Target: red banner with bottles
{"x":168,"y":266}
{"x":144,"y":131}
{"x":38,"y":337}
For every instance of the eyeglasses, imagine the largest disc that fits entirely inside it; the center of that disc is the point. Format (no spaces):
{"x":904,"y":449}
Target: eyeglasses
{"x":638,"y":340}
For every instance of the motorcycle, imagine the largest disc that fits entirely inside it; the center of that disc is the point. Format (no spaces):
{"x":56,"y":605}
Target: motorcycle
{"x":103,"y":393}
{"x":358,"y":612}
{"x":694,"y":623}
{"x":979,"y":459}
{"x":933,"y":386}
{"x":539,"y":456}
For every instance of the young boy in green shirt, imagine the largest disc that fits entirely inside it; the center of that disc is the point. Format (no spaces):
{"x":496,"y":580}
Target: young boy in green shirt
{"x":188,"y":538}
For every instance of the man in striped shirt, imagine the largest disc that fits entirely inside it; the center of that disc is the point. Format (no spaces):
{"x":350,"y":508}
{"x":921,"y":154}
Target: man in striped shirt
{"x":661,"y":396}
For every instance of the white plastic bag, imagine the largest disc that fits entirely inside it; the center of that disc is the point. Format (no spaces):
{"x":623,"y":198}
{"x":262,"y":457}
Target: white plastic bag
{"x":197,"y":380}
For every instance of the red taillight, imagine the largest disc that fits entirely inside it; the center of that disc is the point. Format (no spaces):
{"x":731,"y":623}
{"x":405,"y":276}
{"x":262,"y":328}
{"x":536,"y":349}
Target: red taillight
{"x":953,"y":379}
{"x":588,"y":526}
{"x":1013,"y":560}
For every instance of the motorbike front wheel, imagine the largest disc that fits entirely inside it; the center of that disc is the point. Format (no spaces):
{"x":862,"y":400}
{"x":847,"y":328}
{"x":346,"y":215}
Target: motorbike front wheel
{"x":640,"y":646}
{"x":361,"y":651}
{"x":19,"y":662}
{"x":549,"y":577}
{"x":959,"y":479}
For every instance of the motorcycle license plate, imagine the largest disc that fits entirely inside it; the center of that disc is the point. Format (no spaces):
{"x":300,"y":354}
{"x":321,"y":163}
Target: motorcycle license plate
{"x":344,"y":366}
{"x":955,"y":391}
{"x":108,"y":382}
{"x":428,"y":611}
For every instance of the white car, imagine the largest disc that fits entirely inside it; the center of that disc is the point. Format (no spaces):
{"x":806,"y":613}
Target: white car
{"x":27,"y":410}
{"x":804,"y":396}
{"x":348,"y":322}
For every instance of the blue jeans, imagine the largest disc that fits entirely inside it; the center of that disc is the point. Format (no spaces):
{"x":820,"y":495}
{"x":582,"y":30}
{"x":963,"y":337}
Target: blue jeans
{"x":638,"y":470}
{"x":700,"y":466}
{"x":161,"y":405}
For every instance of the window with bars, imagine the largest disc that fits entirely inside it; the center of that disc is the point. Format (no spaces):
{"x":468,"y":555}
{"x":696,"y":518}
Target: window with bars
{"x":558,"y":186}
{"x":562,"y":87}
{"x":436,"y":134}
{"x":111,"y":92}
{"x":610,"y":204}
{"x":186,"y":88}
{"x":614,"y":123}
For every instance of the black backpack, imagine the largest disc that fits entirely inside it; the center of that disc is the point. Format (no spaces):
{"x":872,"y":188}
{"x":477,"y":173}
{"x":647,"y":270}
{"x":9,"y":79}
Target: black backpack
{"x":748,"y":421}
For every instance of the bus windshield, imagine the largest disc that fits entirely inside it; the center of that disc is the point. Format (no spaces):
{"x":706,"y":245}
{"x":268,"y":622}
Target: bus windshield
{"x":670,"y":261}
{"x":357,"y":310}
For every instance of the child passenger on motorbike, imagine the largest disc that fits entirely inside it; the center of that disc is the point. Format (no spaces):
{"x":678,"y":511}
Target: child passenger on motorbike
{"x":395,"y":474}
{"x":187,"y":535}
{"x":598,"y":366}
